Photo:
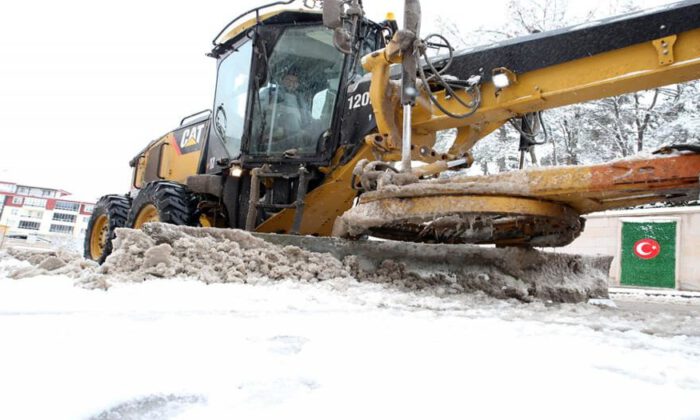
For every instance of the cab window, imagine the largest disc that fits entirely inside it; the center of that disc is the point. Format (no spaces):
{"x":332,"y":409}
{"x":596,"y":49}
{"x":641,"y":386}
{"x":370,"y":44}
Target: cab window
{"x":231,"y":98}
{"x":294,"y":107}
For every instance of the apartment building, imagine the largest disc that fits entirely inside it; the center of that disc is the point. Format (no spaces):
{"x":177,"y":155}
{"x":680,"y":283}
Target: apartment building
{"x":43,"y":213}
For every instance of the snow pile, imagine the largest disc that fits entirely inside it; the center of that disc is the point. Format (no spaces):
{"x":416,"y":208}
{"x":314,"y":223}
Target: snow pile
{"x":48,"y":262}
{"x":512,"y":273}
{"x":236,"y":257}
{"x":233,"y":256}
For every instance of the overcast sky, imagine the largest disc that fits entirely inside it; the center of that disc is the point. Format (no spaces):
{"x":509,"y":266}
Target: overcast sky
{"x":85,"y":85}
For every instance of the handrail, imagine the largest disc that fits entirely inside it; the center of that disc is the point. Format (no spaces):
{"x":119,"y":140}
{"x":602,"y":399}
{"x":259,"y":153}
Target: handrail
{"x":194,"y":115}
{"x":256,"y":10}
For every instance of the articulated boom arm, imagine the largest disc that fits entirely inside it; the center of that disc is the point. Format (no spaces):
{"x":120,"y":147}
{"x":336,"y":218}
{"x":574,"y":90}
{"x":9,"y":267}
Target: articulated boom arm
{"x":535,"y":207}
{"x":544,"y":71}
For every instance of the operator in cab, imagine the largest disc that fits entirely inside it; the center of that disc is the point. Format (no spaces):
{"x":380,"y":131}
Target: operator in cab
{"x":288,"y":120}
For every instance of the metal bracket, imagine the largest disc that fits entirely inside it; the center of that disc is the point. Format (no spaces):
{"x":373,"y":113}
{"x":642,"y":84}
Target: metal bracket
{"x":380,"y":142}
{"x":664,"y":48}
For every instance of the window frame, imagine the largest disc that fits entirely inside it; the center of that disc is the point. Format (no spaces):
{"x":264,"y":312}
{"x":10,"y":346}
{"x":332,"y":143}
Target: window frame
{"x":29,"y":222}
{"x":61,"y":229}
{"x":220,"y":152}
{"x":35,"y":202}
{"x":59,"y":217}
{"x":73,"y":209}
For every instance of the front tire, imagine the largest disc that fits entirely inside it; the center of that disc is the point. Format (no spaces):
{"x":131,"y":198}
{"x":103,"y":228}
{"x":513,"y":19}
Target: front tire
{"x":109,"y":213}
{"x":164,"y":202}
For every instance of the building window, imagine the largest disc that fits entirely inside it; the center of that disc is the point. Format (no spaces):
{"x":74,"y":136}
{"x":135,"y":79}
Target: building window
{"x":61,"y":229}
{"x":22,"y":190}
{"x":35,"y":202}
{"x":62,"y":217}
{"x":32,"y":214}
{"x":89,"y":208}
{"x":25,"y":224}
{"x":14,"y":212}
{"x":46,"y":193}
{"x":67,"y":206}
{"x":17,"y":201}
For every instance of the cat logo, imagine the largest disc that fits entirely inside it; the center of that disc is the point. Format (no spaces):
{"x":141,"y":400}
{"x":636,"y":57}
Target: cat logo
{"x":189,"y":142}
{"x":191,"y":138}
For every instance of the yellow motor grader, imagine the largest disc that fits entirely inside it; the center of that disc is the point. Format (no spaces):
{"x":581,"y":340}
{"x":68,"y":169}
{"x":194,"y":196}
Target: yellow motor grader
{"x":325,"y":123}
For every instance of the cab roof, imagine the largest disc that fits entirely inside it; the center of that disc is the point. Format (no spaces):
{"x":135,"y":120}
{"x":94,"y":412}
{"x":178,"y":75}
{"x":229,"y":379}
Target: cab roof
{"x":291,"y":16}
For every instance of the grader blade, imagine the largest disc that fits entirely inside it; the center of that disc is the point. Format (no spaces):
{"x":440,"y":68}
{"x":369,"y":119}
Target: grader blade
{"x":512,"y":273}
{"x":533,"y":207}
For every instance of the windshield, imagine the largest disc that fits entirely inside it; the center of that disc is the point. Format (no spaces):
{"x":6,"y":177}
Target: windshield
{"x":294,"y":107}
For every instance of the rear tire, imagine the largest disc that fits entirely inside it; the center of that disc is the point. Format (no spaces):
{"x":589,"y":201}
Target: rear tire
{"x":164,"y":202}
{"x":109,"y":213}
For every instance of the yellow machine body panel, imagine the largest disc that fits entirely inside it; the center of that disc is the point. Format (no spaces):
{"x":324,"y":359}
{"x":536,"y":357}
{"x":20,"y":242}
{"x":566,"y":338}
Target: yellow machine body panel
{"x":174,"y":157}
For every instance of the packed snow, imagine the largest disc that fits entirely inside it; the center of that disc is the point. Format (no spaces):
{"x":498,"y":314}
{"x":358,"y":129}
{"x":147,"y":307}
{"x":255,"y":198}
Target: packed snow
{"x":183,"y":349}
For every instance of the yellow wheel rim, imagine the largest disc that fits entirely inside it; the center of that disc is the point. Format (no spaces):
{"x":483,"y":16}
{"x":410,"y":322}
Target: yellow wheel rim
{"x":99,"y":237}
{"x":148,"y":214}
{"x":204,"y":221}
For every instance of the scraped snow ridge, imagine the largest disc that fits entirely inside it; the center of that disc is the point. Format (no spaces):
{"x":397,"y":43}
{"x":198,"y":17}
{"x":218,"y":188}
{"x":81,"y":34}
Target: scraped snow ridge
{"x":234,"y":256}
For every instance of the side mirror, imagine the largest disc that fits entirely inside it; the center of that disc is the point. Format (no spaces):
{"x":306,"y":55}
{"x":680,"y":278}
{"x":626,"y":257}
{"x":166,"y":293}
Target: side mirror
{"x":343,"y":16}
{"x":342,"y":40}
{"x":333,"y":13}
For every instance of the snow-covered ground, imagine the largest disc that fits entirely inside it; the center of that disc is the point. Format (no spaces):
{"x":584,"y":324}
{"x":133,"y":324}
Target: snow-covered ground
{"x":181,"y":349}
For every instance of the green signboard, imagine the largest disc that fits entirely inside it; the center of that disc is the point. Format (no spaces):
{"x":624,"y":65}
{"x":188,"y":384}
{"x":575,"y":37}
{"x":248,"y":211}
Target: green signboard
{"x":648,"y":255}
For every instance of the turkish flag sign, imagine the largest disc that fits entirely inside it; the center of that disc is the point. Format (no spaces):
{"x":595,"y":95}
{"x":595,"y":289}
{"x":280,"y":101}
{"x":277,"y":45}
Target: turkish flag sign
{"x":648,"y":253}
